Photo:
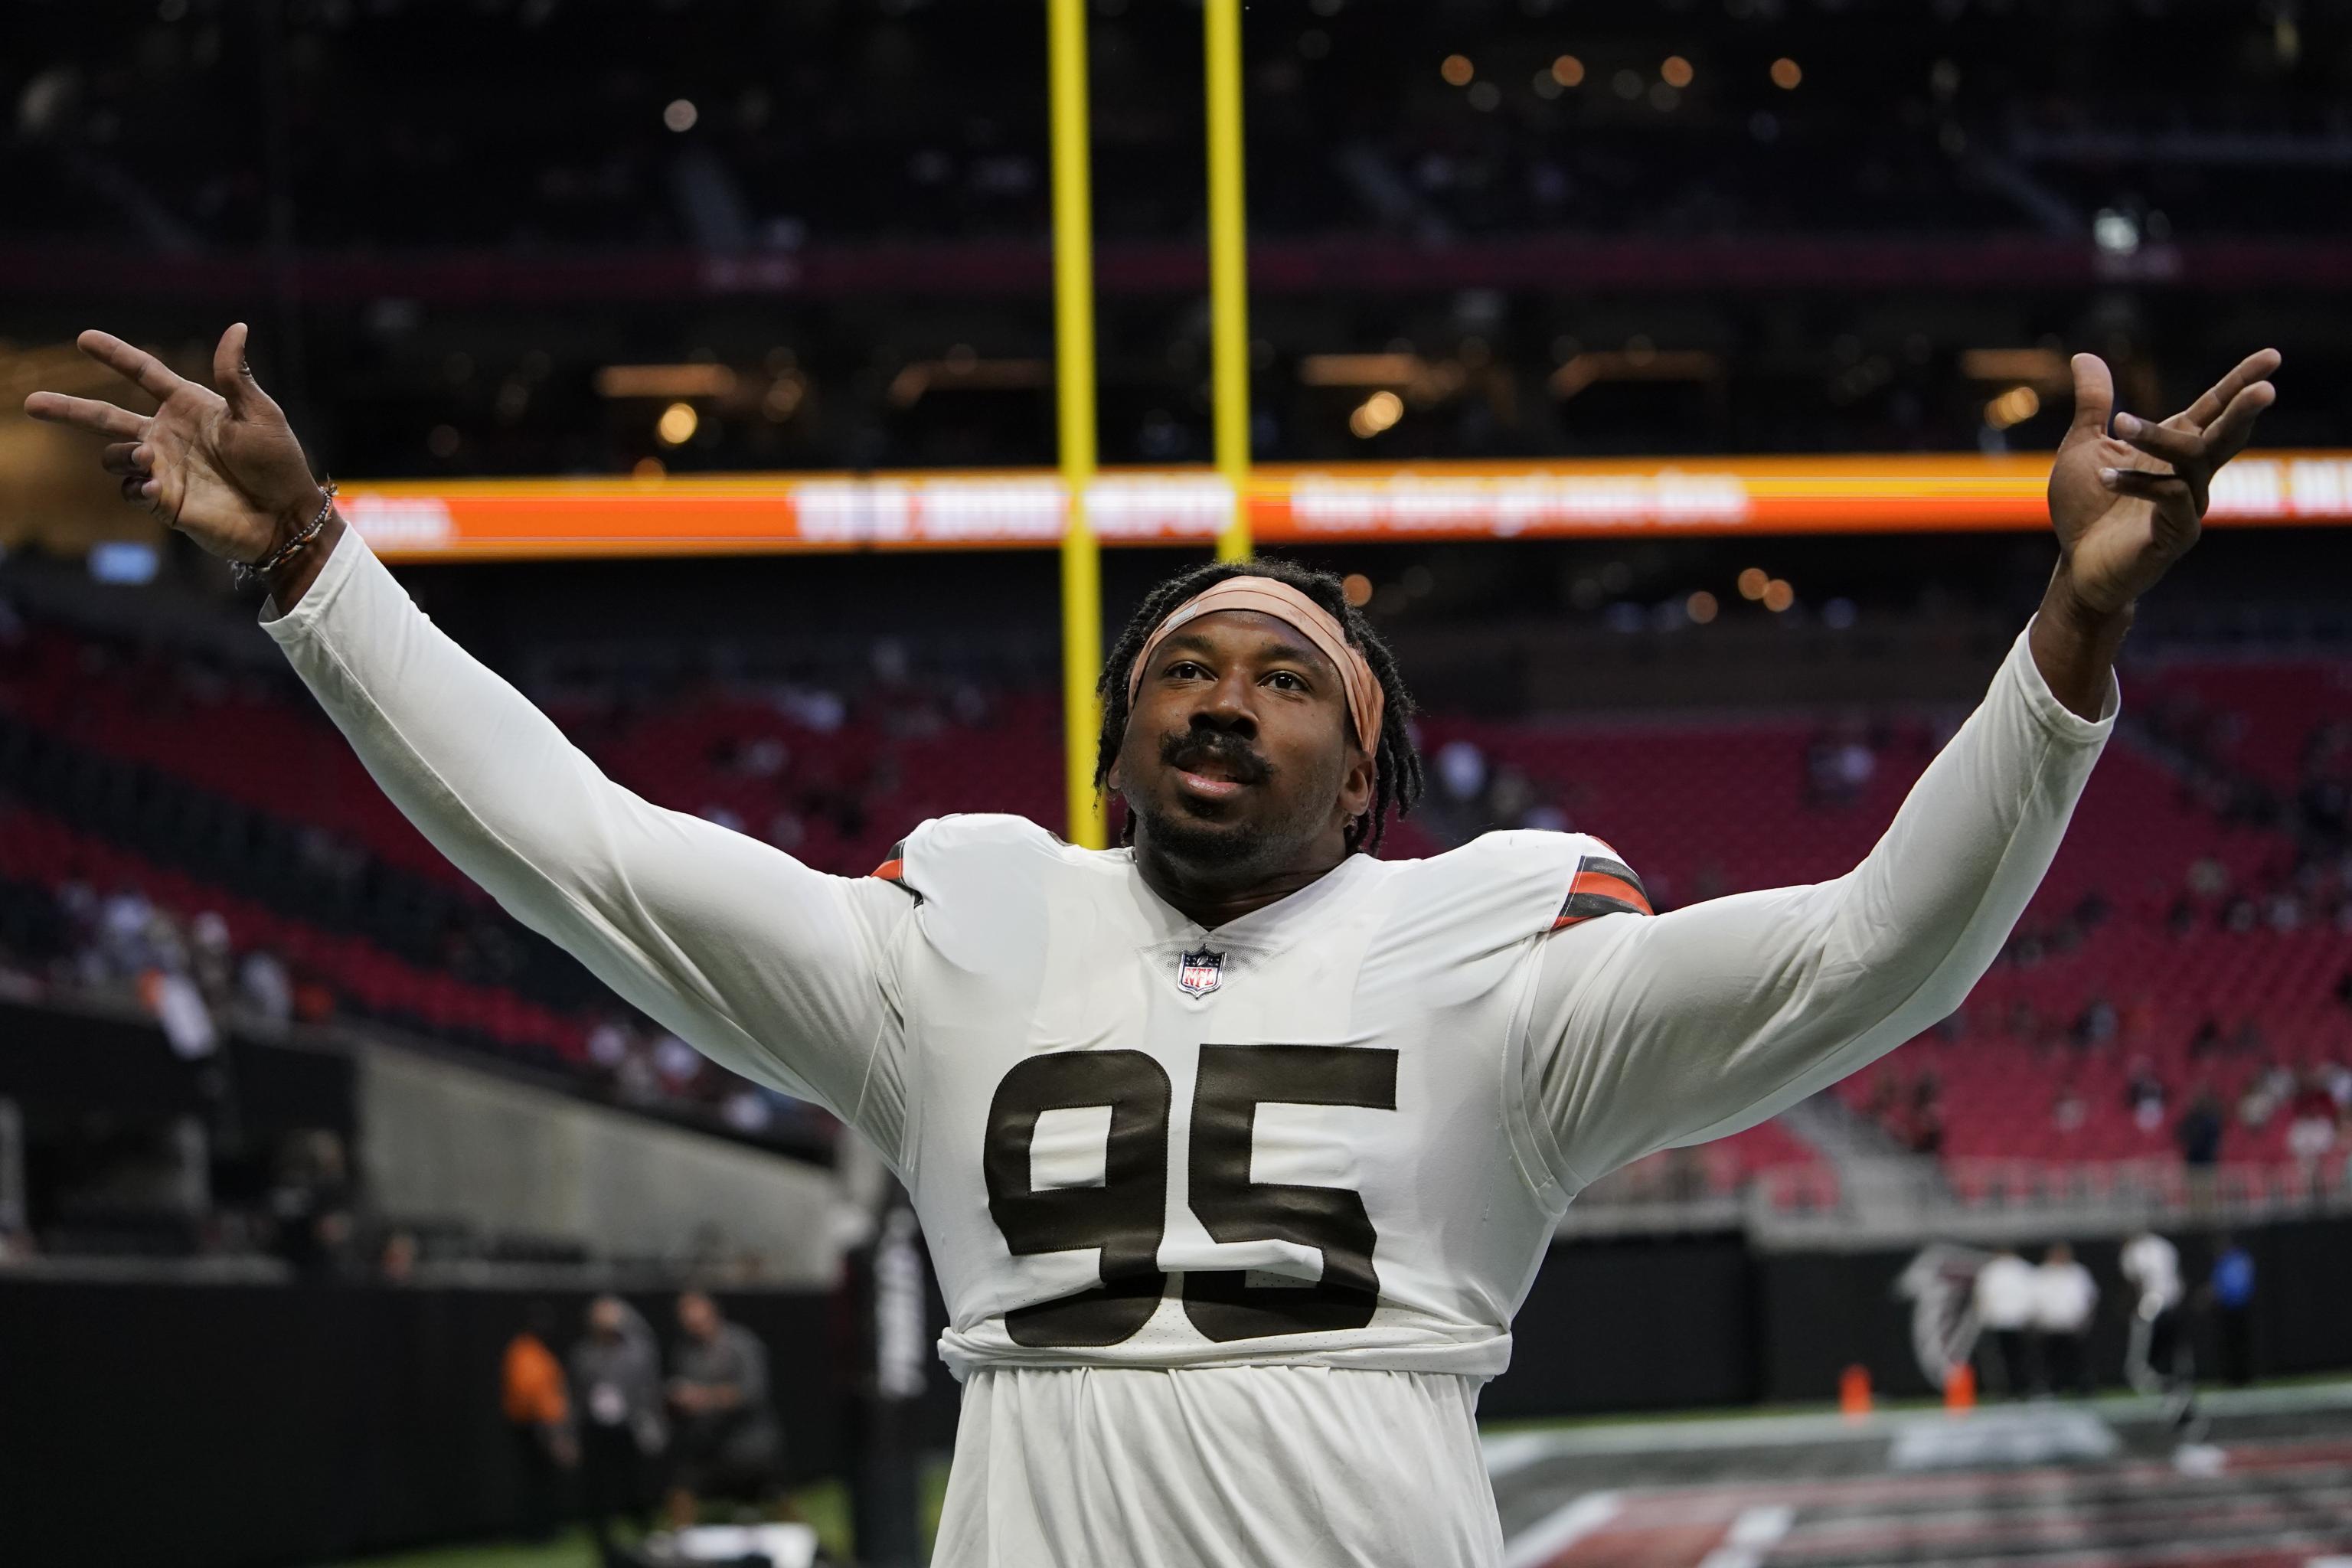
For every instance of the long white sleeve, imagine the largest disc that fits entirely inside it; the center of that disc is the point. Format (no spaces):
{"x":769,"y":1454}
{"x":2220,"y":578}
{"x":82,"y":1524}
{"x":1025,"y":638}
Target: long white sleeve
{"x":1649,"y":1032}
{"x":779,"y":971}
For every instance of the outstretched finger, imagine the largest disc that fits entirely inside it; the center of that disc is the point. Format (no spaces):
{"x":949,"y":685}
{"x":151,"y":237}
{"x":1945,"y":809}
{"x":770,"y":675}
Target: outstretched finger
{"x":2176,"y":447}
{"x":233,"y":373}
{"x":155,"y":378}
{"x":86,"y":414}
{"x":127,"y":458}
{"x":2094,"y":394}
{"x":2227,"y":435}
{"x":2255,"y":367}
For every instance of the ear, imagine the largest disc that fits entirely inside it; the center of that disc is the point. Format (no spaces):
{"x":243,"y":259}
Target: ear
{"x":1356,"y":786}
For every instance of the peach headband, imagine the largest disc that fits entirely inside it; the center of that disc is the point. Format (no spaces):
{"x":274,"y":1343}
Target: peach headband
{"x":1286,"y":604}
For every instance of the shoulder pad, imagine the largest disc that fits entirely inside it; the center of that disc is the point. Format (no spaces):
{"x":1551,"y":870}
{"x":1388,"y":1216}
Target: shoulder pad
{"x":1502,"y":888}
{"x":948,"y":855}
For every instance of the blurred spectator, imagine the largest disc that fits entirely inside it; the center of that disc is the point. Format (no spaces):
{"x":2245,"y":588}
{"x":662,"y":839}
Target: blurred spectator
{"x":179,"y":1008}
{"x":608,"y":1044}
{"x":727,"y":1442}
{"x":265,"y":987}
{"x":209,"y":959}
{"x":2064,"y":1297}
{"x":2097,"y":1024}
{"x":2255,"y":1104}
{"x":747,"y":1108}
{"x":1461,"y":771}
{"x":538,"y":1415}
{"x":2007,"y":1297}
{"x":2198,"y":1133}
{"x":2232,"y":1290}
{"x":677,"y":1064}
{"x":2157,"y":1360}
{"x":2310,"y":1130}
{"x":2144,"y":1096}
{"x":313,"y":1203}
{"x":1923,"y":1125}
{"x":616,"y":1387}
{"x":2069,"y":1110}
{"x":396,"y":1263}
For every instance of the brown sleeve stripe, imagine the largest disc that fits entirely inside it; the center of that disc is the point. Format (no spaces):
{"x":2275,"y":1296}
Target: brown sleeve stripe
{"x":1602,"y":886}
{"x":894,"y":871}
{"x":1611,"y":867}
{"x":1609,"y":887}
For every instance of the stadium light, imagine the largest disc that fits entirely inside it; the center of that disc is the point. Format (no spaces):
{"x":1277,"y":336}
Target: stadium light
{"x":2014,"y":407}
{"x":1375,"y":415}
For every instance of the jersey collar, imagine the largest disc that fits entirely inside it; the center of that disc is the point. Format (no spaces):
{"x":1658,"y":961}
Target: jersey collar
{"x":1264,"y":930}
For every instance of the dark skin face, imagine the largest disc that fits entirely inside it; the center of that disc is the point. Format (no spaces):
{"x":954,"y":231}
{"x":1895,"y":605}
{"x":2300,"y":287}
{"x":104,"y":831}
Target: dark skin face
{"x":1239,"y":766}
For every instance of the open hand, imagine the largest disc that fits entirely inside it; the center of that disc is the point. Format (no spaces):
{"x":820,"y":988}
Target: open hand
{"x":2127,"y":505}
{"x":220,"y":463}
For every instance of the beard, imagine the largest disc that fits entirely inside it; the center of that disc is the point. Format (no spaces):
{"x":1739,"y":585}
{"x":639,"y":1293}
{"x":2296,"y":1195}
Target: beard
{"x":1251,"y":839}
{"x":1190,"y":842}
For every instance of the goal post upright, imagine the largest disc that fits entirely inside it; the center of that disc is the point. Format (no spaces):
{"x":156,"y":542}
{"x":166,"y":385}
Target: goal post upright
{"x":1229,"y":341}
{"x":1073,"y":382}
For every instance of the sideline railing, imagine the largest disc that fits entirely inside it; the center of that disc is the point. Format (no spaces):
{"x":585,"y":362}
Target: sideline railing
{"x":1877,"y":1201}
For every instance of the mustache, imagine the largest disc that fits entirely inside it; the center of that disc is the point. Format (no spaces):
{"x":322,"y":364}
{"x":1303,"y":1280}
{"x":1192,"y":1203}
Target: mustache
{"x":1182,"y":748}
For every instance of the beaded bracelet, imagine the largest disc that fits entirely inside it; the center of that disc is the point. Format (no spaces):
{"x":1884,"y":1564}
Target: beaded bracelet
{"x":254,"y":572}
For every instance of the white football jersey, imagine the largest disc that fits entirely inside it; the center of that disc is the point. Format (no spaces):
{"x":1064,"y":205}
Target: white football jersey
{"x":1302,"y":1137}
{"x":1232,"y":1224}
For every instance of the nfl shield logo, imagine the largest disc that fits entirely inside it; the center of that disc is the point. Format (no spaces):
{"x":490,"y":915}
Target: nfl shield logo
{"x":1198,"y":973}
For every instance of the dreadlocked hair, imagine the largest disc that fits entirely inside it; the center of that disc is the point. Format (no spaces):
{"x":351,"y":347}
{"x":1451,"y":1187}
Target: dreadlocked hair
{"x":1396,"y":763}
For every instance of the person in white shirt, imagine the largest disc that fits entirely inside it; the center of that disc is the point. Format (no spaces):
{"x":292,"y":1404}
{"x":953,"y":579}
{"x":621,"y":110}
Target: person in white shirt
{"x":2156,"y":1359}
{"x":2064,"y":1298}
{"x":1238,"y":1148}
{"x":2004,"y":1304}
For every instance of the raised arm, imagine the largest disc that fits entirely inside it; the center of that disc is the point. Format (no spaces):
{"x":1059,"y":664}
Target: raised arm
{"x":777,"y":971}
{"x":1654,"y":1031}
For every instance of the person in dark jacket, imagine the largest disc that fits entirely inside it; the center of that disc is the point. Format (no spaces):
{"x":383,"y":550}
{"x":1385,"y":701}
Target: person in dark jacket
{"x":616,"y":1393}
{"x":727,"y":1443}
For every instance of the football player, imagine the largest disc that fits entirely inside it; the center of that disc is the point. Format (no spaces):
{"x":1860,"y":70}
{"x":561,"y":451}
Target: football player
{"x":1236,"y":1146}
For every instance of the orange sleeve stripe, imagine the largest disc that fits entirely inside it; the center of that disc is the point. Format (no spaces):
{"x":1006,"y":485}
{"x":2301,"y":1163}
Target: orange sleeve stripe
{"x":891,"y":870}
{"x":1608,"y":887}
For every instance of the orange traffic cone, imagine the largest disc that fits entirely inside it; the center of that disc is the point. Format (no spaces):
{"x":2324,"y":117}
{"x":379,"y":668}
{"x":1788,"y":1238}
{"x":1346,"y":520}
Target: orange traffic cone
{"x":1960,"y":1388}
{"x":1853,"y":1393}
